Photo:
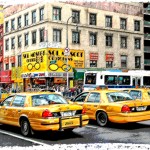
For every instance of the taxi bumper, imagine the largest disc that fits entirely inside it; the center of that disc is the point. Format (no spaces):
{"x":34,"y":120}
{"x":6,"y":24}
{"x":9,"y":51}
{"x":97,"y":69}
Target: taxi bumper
{"x":61,"y":123}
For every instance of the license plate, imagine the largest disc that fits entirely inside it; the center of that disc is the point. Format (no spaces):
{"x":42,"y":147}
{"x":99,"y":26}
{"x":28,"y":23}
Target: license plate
{"x":67,"y":113}
{"x":141,"y":108}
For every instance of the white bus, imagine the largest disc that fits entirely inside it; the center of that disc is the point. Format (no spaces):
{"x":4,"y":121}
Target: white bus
{"x":116,"y":80}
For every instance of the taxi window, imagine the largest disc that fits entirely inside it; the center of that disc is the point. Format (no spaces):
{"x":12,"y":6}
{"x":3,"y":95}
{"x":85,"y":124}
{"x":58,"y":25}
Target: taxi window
{"x":19,"y":101}
{"x":81,"y":97}
{"x":7,"y":101}
{"x":118,"y":96}
{"x":45,"y":99}
{"x":136,"y":94}
{"x":94,"y":98}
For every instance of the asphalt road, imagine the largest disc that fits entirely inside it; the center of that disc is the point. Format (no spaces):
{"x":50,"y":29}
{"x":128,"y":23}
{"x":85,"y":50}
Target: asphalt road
{"x":136,"y":133}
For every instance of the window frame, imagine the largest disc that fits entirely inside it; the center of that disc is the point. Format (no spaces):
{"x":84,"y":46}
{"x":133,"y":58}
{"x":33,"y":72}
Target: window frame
{"x":75,"y":37}
{"x":12,"y":42}
{"x":41,"y":11}
{"x":34,"y":37}
{"x":109,"y":40}
{"x":56,"y":35}
{"x":137,"y":43}
{"x":19,"y":60}
{"x":76,"y":16}
{"x":26,"y":19}
{"x":123,"y":23}
{"x":19,"y":41}
{"x":6,"y":44}
{"x":34,"y":16}
{"x":123,"y":42}
{"x":124,"y":61}
{"x":57,"y":16}
{"x":92,"y":19}
{"x":41,"y":35}
{"x":93,"y":39}
{"x":12,"y":24}
{"x":26,"y":39}
{"x":108,"y":21}
{"x":137,"y":25}
{"x":93,"y":63}
{"x":137,"y":62}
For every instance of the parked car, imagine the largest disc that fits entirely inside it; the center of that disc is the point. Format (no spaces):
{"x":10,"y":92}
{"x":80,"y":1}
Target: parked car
{"x":3,"y":94}
{"x":41,"y":111}
{"x":139,"y":93}
{"x":106,"y":106}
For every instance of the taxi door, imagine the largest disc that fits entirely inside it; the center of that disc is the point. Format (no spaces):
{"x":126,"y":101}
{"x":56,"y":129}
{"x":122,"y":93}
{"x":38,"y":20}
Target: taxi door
{"x":4,"y":107}
{"x":92,"y":103}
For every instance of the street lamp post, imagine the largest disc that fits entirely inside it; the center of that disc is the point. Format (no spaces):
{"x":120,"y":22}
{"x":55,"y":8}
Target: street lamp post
{"x":67,"y":48}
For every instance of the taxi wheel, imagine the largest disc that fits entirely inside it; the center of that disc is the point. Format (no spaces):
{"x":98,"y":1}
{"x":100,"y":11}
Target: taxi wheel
{"x":25,"y":127}
{"x":102,"y":119}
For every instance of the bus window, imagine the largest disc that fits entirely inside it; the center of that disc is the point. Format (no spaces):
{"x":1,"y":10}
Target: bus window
{"x":90,"y":78}
{"x":124,"y":80}
{"x":110,"y":79}
{"x":146,"y":80}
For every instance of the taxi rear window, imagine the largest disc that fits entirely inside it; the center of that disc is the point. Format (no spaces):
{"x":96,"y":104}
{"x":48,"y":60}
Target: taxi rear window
{"x":118,"y":96}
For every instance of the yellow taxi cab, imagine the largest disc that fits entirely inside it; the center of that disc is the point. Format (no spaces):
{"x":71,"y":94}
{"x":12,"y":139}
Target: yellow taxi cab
{"x":106,"y":106}
{"x":3,"y":94}
{"x":41,"y":111}
{"x":142,"y":93}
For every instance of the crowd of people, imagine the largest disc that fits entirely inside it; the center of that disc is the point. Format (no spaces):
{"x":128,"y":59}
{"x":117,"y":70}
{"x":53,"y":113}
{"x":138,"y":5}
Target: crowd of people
{"x":71,"y":92}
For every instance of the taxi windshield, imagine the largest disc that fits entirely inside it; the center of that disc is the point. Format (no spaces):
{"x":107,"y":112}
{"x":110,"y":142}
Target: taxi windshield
{"x":46,"y":99}
{"x":118,"y":96}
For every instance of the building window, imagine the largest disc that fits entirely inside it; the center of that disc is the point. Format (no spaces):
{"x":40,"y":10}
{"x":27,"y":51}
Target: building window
{"x":34,"y":16}
{"x":7,"y":45}
{"x":109,"y":40}
{"x":93,"y":38}
{"x":137,"y":43}
{"x":13,"y":24}
{"x":26,"y":20}
{"x":26,"y":38}
{"x":7,"y":66}
{"x":19,"y":22}
{"x":123,"y":23}
{"x":56,"y":13}
{"x":92,"y":19}
{"x":19,"y":61}
{"x":41,"y":35}
{"x":12,"y":64}
{"x":109,"y":64}
{"x":137,"y":62}
{"x":56,"y":35}
{"x":1,"y":66}
{"x":76,"y":16}
{"x":12,"y":43}
{"x":123,"y":43}
{"x":109,"y":21}
{"x":34,"y":37}
{"x":41,"y":14}
{"x":75,"y":37}
{"x":123,"y":61}
{"x":93,"y":63}
{"x":6,"y":27}
{"x":19,"y":41}
{"x":136,"y":25}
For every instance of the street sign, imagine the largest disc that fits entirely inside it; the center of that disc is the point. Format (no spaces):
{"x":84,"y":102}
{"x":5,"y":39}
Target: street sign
{"x":67,"y":51}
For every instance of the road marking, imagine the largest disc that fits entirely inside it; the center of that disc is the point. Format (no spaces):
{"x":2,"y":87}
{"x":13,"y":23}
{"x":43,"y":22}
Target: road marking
{"x":24,"y":138}
{"x":89,"y":126}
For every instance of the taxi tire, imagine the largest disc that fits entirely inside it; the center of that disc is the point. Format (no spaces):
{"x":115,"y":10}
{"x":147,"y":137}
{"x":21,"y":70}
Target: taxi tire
{"x":102,"y":119}
{"x":25,"y":127}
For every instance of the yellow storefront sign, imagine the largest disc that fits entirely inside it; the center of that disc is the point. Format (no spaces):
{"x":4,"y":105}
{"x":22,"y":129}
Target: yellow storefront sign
{"x":16,"y":74}
{"x":52,"y":60}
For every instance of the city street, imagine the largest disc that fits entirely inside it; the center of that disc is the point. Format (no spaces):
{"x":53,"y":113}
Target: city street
{"x":136,"y":133}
